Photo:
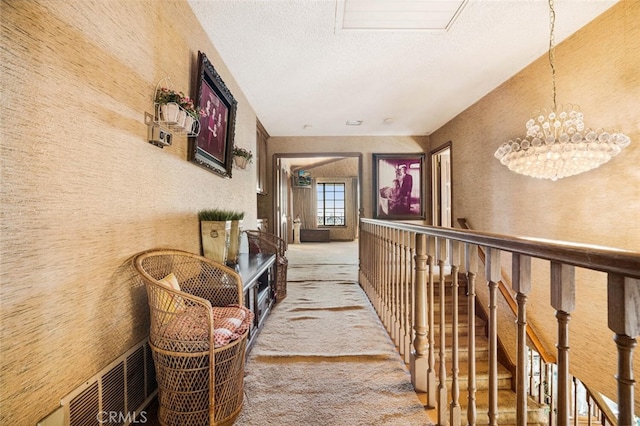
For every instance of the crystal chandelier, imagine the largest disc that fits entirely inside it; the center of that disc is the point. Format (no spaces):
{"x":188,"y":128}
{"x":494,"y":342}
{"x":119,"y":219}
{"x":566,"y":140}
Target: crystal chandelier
{"x":557,"y":143}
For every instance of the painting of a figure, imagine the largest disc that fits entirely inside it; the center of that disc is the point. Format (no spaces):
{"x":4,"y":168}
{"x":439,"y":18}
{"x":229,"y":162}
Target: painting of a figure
{"x":398,"y":186}
{"x":212,"y":148}
{"x":213,"y":124}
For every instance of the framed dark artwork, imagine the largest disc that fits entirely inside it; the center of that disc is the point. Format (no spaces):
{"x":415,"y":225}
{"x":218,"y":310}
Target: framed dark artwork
{"x":397,"y":185}
{"x":302,"y":179}
{"x":213,"y":147}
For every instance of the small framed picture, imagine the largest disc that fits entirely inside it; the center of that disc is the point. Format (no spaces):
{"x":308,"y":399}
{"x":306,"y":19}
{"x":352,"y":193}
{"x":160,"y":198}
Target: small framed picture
{"x":398,"y":189}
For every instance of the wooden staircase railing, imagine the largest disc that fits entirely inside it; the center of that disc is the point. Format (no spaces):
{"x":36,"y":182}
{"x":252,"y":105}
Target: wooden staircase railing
{"x":546,"y":357}
{"x":399,"y":264}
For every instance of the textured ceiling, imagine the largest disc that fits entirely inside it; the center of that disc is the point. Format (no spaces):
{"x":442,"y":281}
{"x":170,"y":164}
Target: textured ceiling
{"x":306,"y":76}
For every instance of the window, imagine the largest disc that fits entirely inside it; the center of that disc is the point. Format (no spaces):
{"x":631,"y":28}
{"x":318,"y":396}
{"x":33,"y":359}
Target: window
{"x":330,"y":204}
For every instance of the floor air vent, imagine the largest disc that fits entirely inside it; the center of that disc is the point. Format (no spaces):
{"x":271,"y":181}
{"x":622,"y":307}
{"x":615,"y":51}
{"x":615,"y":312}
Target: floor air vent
{"x":116,"y":395}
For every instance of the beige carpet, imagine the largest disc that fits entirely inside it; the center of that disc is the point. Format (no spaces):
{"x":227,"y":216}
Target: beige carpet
{"x":323,"y":357}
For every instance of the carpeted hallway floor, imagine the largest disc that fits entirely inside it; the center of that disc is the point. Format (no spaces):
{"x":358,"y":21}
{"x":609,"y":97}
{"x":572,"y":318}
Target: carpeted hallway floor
{"x":323,"y":357}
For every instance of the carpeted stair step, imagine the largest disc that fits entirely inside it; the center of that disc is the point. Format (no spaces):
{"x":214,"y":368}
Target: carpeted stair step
{"x":463,"y":327}
{"x":482,"y":376}
{"x":536,"y":413}
{"x":463,"y":307}
{"x":482,"y":344}
{"x":584,"y":421}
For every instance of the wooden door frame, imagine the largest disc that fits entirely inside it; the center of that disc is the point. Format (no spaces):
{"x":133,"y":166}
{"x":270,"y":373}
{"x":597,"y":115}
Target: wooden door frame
{"x":432,"y":154}
{"x":276,"y":172}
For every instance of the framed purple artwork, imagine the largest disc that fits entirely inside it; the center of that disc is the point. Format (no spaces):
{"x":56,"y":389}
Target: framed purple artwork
{"x":213,"y":147}
{"x":398,"y":186}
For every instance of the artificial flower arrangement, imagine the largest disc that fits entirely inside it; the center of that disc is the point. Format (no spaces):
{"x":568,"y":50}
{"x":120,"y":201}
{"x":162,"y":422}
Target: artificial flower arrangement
{"x":166,"y":95}
{"x":241,"y":152}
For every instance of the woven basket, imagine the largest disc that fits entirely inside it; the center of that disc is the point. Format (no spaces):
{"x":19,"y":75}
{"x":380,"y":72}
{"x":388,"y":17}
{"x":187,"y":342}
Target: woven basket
{"x":182,"y":342}
{"x":264,"y":242}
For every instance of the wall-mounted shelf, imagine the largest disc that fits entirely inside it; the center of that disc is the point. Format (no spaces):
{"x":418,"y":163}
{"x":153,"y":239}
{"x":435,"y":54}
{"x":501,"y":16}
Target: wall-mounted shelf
{"x":168,"y":119}
{"x":173,"y":117}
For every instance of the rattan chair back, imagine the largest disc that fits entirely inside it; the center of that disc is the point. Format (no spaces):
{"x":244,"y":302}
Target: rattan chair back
{"x":187,"y":364}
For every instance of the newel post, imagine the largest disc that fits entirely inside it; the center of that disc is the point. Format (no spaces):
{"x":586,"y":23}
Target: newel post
{"x":418,"y":364}
{"x":623,"y":306}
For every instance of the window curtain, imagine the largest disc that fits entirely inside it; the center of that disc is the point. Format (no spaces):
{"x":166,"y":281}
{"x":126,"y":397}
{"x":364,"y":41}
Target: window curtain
{"x":305,"y":205}
{"x":354,"y":207}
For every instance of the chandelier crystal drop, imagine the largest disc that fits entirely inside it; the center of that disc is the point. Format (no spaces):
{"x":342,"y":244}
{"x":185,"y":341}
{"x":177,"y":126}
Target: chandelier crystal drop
{"x":557,"y":143}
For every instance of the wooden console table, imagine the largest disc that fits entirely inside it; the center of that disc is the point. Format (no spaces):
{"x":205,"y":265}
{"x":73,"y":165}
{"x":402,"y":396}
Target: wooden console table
{"x":258,"y":279}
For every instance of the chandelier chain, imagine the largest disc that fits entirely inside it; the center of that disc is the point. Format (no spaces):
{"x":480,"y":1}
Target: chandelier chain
{"x":552,"y":62}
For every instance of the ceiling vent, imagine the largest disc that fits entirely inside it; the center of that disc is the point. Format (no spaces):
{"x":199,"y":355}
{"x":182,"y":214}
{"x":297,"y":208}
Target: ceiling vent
{"x":397,"y":15}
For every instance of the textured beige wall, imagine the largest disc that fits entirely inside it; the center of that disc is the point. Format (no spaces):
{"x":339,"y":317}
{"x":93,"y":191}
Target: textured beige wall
{"x":598,"y":68}
{"x":347,"y":167}
{"x":82,"y":190}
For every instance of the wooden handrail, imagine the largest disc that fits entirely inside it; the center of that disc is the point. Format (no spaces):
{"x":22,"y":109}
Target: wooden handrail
{"x":547,"y":357}
{"x":599,"y":258}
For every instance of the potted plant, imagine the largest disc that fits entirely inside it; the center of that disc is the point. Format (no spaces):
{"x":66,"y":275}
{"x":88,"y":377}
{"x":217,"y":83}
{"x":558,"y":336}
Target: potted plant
{"x":169,"y":102}
{"x":175,"y":108}
{"x":220,"y":232}
{"x":193,"y":115}
{"x":215,"y":231}
{"x":241,"y":157}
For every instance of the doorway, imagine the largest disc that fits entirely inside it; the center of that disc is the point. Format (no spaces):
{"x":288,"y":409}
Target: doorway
{"x":287,"y":168}
{"x":441,"y":213}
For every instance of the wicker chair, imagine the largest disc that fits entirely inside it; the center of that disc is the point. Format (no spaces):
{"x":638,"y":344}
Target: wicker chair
{"x":184,"y":341}
{"x":264,"y":242}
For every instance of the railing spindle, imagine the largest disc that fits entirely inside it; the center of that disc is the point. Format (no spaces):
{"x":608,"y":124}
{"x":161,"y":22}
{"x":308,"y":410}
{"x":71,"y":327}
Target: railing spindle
{"x":397,"y":300}
{"x":471,"y":266}
{"x":412,"y":298}
{"x":431,"y":371}
{"x":442,"y":372}
{"x":521,"y":272}
{"x":552,"y":394}
{"x":574,"y":400}
{"x":532,"y":383}
{"x":408,"y":292}
{"x":540,"y":382}
{"x":420,"y":342}
{"x":402,"y":286}
{"x":386,"y":280}
{"x":393,"y":245}
{"x":493,"y":275}
{"x":454,"y":414}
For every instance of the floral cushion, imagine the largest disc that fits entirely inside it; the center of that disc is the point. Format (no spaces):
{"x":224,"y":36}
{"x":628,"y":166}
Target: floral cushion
{"x":229,"y":323}
{"x":189,"y":330}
